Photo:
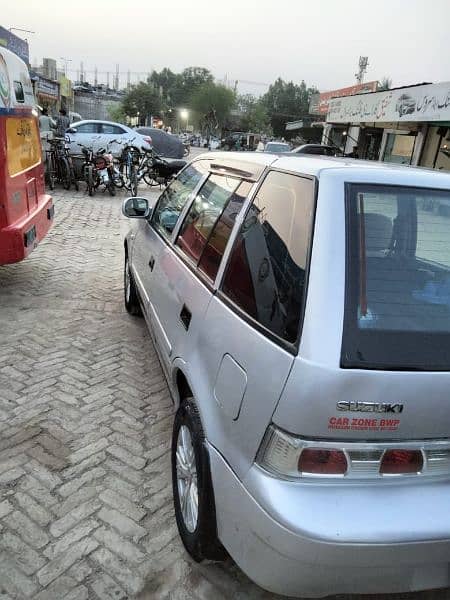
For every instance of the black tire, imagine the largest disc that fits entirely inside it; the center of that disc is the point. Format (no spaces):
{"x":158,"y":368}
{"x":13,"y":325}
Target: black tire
{"x":73,"y":177}
{"x":51,"y":173}
{"x":201,"y":543}
{"x":111,"y":188}
{"x":130,"y":293}
{"x":149,"y":180}
{"x":90,"y":180}
{"x":65,"y":173}
{"x":51,"y":180}
{"x":133,"y":181}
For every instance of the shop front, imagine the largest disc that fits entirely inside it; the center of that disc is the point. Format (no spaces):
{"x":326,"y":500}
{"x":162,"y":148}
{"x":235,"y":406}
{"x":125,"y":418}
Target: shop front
{"x":409,"y":126}
{"x":46,"y":92}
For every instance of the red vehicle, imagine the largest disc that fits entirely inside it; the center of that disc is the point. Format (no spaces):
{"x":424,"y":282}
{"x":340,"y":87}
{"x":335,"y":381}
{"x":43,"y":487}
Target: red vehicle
{"x":26,"y":211}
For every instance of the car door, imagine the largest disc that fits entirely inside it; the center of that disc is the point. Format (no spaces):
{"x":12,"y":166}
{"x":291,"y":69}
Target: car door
{"x":184,"y":274}
{"x":250,"y":332}
{"x":152,"y":269}
{"x":110,"y":133}
{"x":86,"y":133}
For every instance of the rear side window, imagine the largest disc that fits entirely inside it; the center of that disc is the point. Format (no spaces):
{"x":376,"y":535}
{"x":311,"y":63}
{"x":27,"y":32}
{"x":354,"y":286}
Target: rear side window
{"x":207,"y":227}
{"x":88,"y":128}
{"x":18,"y":91}
{"x":173,"y":199}
{"x":265,"y":276}
{"x":397,"y":313}
{"x":112,"y":129}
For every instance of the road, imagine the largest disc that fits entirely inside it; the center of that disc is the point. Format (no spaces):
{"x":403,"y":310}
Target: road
{"x":85,"y":423}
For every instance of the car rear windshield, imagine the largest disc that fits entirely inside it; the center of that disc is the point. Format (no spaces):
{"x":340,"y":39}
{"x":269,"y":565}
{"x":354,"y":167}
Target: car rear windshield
{"x":397,"y":312}
{"x":277,"y":148}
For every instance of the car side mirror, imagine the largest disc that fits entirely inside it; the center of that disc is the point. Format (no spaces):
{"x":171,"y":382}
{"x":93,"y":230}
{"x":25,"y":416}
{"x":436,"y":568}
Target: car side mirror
{"x":71,"y":130}
{"x":136,"y":208}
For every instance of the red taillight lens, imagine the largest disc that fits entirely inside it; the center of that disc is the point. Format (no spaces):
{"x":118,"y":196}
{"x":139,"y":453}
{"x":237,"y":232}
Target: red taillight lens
{"x":398,"y":462}
{"x":322,"y":462}
{"x":148,"y":139}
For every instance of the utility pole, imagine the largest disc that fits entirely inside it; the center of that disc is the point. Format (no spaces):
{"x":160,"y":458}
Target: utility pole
{"x":107,"y":79}
{"x":95,"y":76}
{"x":128,"y":79}
{"x":362,"y":68}
{"x":116,"y":79}
{"x":81,"y":72}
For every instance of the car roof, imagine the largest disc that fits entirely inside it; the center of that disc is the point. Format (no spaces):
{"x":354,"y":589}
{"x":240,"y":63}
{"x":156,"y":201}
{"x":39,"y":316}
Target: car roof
{"x":100,"y":121}
{"x":345,"y":168}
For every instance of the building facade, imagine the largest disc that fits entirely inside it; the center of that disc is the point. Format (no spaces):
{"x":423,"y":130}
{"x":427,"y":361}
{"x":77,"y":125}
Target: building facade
{"x":408,"y":125}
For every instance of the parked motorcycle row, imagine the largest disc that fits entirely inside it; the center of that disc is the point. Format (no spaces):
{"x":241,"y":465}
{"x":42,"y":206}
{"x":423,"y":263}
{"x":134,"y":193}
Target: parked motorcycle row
{"x":101,"y":170}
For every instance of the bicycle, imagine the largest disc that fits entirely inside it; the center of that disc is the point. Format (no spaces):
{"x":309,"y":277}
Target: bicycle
{"x":130,"y":159}
{"x":60,"y":164}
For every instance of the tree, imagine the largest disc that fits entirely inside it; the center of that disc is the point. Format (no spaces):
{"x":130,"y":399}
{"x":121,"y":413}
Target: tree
{"x":212,"y":104}
{"x":142,"y":100}
{"x":286,"y":101}
{"x":191,"y":80}
{"x":254,"y":114}
{"x":116,"y":113}
{"x":384,"y":84}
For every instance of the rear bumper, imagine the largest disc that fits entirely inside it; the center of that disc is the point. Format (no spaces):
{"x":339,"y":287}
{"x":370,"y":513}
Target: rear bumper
{"x":19,"y":239}
{"x":324,"y":551}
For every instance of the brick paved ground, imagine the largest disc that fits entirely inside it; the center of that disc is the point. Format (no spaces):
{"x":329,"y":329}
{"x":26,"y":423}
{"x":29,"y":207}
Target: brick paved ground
{"x":85,"y":421}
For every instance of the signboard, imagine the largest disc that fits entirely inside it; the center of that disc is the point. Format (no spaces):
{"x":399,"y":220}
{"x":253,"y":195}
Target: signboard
{"x":46,"y":87}
{"x":23,"y":144}
{"x":293,"y":125}
{"x":15,"y":44}
{"x":65,"y":86}
{"x":429,"y":102}
{"x":320,"y":102}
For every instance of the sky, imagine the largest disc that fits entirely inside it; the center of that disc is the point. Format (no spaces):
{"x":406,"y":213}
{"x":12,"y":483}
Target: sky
{"x":257,"y":41}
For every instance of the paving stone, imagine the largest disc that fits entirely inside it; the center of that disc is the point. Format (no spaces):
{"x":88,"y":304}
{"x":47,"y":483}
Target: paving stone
{"x":66,"y":559}
{"x":123,"y":505}
{"x":122,"y":523}
{"x":27,"y":529}
{"x":107,"y":589}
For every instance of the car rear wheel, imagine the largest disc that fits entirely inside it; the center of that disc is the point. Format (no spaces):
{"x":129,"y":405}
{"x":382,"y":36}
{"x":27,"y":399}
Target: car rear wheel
{"x":193,"y":492}
{"x":131,"y":297}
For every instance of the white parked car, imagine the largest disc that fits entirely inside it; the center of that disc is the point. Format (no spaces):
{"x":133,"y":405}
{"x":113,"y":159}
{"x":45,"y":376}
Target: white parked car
{"x":277,"y":147}
{"x":98,"y":134}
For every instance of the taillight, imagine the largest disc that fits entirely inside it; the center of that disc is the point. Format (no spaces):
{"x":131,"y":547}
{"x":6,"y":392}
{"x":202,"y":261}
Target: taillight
{"x":316,"y":461}
{"x":290,"y":456}
{"x":399,"y":462}
{"x":148,"y":139}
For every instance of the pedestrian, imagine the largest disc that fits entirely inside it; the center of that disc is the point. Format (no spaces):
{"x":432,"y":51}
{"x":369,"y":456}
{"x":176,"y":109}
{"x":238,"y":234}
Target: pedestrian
{"x":46,"y":123}
{"x":46,"y":126}
{"x":62,"y":123}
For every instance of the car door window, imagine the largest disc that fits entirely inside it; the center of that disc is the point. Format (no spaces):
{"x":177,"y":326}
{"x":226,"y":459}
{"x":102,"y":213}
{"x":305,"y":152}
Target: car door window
{"x":265,"y":275}
{"x":203,"y":215}
{"x":109,"y":129}
{"x":172,"y":200}
{"x":87,"y":128}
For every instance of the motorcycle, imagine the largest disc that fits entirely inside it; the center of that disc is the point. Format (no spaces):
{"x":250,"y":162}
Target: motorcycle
{"x":159,"y":170}
{"x":98,"y":169}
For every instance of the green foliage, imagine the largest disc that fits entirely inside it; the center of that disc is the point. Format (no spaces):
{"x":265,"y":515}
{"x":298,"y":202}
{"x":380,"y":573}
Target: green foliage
{"x":212,"y":102}
{"x":143,"y":99}
{"x":255,"y":117}
{"x":117,"y":114}
{"x":286,"y":101}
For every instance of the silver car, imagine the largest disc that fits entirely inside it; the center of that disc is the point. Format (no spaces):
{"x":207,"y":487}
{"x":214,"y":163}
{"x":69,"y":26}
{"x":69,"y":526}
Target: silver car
{"x":301,"y":311}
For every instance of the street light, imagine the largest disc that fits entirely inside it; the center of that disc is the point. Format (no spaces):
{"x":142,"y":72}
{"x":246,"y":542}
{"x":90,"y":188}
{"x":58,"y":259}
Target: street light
{"x":184,"y":114}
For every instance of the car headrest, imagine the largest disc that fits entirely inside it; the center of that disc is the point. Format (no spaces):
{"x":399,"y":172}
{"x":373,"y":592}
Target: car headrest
{"x":378,"y":233}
